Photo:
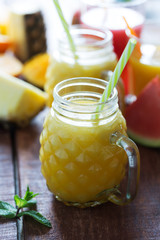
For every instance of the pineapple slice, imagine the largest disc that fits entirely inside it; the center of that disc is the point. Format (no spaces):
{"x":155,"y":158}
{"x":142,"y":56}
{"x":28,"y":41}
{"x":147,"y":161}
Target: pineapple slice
{"x":19,"y":101}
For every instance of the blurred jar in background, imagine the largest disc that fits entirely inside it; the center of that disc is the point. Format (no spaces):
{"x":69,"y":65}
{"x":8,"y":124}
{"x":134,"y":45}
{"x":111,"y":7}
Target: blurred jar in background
{"x":108,"y":14}
{"x":145,"y":60}
{"x":153,"y":10}
{"x":95,"y":54}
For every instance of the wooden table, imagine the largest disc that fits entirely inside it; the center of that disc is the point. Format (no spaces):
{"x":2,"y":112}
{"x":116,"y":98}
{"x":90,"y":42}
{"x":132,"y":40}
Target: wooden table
{"x":20,"y":165}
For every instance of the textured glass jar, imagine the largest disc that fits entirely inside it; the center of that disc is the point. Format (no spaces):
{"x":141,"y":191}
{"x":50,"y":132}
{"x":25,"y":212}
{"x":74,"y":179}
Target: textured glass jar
{"x":95,"y":54}
{"x":84,"y":158}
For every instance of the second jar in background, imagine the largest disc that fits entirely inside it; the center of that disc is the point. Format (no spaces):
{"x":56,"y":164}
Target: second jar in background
{"x":145,"y":60}
{"x":95,"y":54}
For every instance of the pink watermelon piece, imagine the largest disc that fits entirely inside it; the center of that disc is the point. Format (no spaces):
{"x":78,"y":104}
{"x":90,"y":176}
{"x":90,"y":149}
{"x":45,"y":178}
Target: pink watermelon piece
{"x":143,"y":115}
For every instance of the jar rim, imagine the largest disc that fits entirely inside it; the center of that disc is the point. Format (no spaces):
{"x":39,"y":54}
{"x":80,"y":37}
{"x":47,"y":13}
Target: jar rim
{"x":77,"y":80}
{"x":102,"y":37}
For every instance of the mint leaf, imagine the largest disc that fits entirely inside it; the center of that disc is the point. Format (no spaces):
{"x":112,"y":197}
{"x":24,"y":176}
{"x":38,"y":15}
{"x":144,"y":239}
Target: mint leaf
{"x":30,"y":203}
{"x":7,"y":213}
{"x":20,"y":203}
{"x":7,"y":210}
{"x":37,"y":216}
{"x":29,"y":195}
{"x":7,"y":206}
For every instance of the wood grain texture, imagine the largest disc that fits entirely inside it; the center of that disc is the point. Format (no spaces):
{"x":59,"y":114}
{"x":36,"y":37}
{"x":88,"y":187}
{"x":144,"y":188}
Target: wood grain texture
{"x":139,"y":220}
{"x":8,"y":229}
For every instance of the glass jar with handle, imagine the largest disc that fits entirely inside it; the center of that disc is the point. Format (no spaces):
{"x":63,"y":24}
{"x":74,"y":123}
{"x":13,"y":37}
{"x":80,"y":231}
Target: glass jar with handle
{"x":88,"y":161}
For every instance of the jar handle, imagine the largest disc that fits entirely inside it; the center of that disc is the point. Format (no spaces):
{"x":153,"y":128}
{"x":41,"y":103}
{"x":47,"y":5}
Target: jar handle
{"x":133,"y":168}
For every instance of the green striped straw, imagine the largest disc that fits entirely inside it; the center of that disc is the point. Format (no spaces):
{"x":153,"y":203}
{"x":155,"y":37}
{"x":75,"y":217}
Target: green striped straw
{"x":66,"y":28}
{"x":116,"y":74}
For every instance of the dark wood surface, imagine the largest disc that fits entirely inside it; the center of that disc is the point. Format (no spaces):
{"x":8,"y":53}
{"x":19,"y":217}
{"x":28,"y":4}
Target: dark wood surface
{"x":139,"y":220}
{"x":8,"y":229}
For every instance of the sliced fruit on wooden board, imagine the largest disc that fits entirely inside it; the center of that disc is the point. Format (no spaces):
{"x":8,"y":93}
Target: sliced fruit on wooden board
{"x":19,"y":101}
{"x":143,"y":116}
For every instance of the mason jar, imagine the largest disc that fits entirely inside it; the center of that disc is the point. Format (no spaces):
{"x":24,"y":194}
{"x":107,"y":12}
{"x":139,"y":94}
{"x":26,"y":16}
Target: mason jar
{"x":145,"y":59}
{"x":86,"y":157}
{"x":95,"y":54}
{"x":109,"y":15}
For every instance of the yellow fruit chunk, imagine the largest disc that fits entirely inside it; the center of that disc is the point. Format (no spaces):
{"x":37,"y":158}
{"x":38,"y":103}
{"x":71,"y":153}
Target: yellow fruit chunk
{"x":19,"y":101}
{"x":35,"y":69}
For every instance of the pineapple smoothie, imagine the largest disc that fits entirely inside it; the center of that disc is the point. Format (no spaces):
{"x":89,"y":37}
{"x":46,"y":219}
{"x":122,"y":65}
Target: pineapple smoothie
{"x":84,"y":157}
{"x":79,"y":162}
{"x":95,"y":54}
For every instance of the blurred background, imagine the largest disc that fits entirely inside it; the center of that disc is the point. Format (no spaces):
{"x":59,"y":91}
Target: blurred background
{"x":69,"y":7}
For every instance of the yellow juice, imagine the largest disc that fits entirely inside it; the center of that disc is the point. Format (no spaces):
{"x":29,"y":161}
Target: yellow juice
{"x":94,"y":52}
{"x":78,"y":160}
{"x":144,"y":68}
{"x":61,"y":70}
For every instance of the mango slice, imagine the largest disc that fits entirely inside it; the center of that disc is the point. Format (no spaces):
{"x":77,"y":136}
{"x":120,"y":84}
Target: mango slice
{"x":35,"y":69}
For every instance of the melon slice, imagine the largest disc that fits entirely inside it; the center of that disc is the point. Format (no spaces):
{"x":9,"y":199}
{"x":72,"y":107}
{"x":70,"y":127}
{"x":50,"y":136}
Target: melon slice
{"x":19,"y":101}
{"x":143,"y":116}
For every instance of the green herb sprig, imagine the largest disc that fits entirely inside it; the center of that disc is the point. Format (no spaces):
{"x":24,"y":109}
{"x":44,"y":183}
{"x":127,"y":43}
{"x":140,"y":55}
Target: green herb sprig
{"x":8,"y":211}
